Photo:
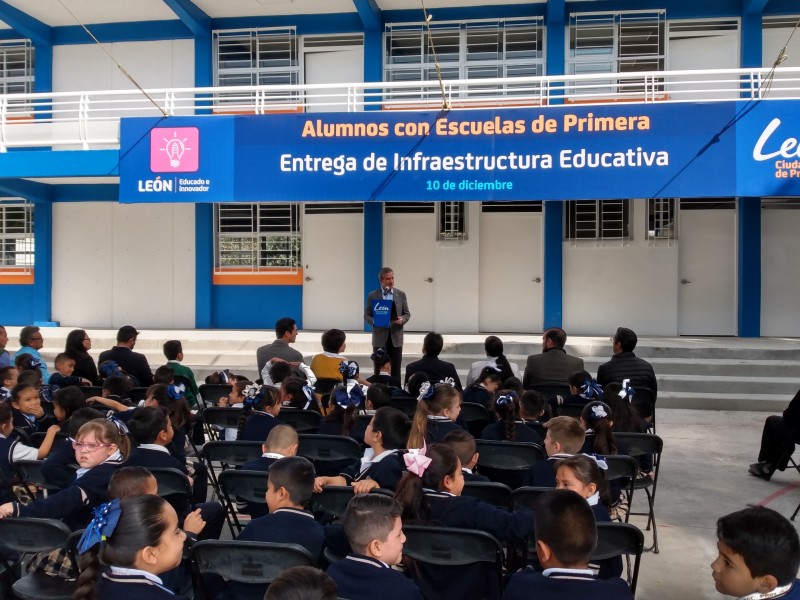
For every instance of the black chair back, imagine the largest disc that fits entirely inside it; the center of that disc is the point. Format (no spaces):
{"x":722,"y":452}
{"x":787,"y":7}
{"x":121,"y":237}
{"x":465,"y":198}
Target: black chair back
{"x":570,"y":410}
{"x":329,"y":453}
{"x":232,"y":454}
{"x":90,"y":391}
{"x":222,"y":417}
{"x":250,"y":486}
{"x":477,"y":417}
{"x":549,"y":389}
{"x":302,"y":421}
{"x":615,"y":539}
{"x":496,"y":494}
{"x":406,"y":405}
{"x":524,"y":498}
{"x":332,"y":500}
{"x":211,"y":393}
{"x":30,"y":471}
{"x":137,"y":394}
{"x":172,"y":482}
{"x":507,"y":462}
{"x":38,"y":437}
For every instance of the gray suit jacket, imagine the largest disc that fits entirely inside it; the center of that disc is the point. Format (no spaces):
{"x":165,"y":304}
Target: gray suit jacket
{"x":381,"y":334}
{"x":553,"y":365}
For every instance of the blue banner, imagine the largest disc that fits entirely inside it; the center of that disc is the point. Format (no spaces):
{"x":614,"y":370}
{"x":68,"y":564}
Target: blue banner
{"x":382,"y":313}
{"x":554,"y":153}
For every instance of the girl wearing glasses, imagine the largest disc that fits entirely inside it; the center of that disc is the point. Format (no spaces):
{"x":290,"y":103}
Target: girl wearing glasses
{"x":101,"y":446}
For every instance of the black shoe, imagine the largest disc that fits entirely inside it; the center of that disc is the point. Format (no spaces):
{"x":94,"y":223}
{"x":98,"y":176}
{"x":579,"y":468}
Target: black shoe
{"x":763,"y":470}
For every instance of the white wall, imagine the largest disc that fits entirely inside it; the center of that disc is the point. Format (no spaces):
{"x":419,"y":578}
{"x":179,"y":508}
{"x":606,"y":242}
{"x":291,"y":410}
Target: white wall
{"x":707,"y":50}
{"x":780,"y":272}
{"x":116,"y":264}
{"x":772,"y":42}
{"x":634,"y":286}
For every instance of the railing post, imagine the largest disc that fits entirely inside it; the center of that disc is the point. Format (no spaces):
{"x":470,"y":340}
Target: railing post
{"x":3,"y":123}
{"x":83,"y":120}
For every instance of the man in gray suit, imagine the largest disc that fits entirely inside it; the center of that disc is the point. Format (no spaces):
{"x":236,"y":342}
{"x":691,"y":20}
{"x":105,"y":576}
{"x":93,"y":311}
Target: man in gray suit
{"x":553,"y":364}
{"x":391,"y":338}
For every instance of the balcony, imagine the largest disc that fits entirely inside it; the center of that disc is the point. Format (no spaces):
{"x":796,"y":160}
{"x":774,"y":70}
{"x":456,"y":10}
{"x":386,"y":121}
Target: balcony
{"x":90,"y":120}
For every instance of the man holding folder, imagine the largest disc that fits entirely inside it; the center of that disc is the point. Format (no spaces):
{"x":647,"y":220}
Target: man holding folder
{"x":387,"y":311}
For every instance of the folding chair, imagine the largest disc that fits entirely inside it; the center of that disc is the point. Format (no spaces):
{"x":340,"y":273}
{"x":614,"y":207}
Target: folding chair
{"x":255,"y":563}
{"x":91,"y":391}
{"x":30,"y":472}
{"x":406,"y":405}
{"x":329,"y":453}
{"x":625,"y":469}
{"x":324,"y":386}
{"x":550,"y":389}
{"x":616,"y":539}
{"x":452,"y":547}
{"x":221,"y":417}
{"x":640,"y":444}
{"x":25,"y":535}
{"x":506,"y":462}
{"x":570,"y":410}
{"x":247,"y":486}
{"x":137,"y":394}
{"x":228,"y":454}
{"x":332,"y":500}
{"x":524,"y":498}
{"x":302,"y":421}
{"x":211,"y":393}
{"x":644,"y":401}
{"x":476,"y":416}
{"x":496,"y":494}
{"x":172,"y":482}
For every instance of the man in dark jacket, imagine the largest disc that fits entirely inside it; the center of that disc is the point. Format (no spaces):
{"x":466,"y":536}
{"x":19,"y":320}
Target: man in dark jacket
{"x":133,"y":363}
{"x":553,"y":364}
{"x":626,"y":365}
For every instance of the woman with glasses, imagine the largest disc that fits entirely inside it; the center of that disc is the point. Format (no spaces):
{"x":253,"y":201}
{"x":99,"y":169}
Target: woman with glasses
{"x":77,"y":348}
{"x":101,"y":446}
{"x":30,"y":342}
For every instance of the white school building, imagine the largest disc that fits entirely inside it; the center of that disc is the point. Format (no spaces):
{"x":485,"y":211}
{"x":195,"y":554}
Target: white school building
{"x":470,"y":258}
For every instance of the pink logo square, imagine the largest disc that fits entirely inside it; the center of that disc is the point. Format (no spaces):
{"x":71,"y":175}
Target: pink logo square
{"x":174,"y":149}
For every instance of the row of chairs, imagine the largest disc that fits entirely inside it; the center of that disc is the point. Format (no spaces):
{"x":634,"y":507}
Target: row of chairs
{"x":261,"y":562}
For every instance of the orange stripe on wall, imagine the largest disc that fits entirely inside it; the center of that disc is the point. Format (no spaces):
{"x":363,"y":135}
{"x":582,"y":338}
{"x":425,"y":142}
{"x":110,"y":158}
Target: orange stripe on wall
{"x":16,"y":276}
{"x":281,"y":278}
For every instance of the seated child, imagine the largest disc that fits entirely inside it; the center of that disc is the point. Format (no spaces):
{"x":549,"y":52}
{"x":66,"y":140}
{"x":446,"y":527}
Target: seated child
{"x":582,"y":389}
{"x":261,"y":406}
{"x":564,"y":438}
{"x":584,"y":475}
{"x":28,"y":413}
{"x":598,"y":421}
{"x":142,"y":544}
{"x":173,"y":351}
{"x":117,"y":388}
{"x":66,"y":401}
{"x":437,"y":410}
{"x":430,"y":493}
{"x":463,"y":444}
{"x":510,"y":426}
{"x":382,"y":465}
{"x":289,"y":487}
{"x":235,"y":399}
{"x":307,"y":583}
{"x":759,"y":554}
{"x":374,"y":530}
{"x":296,"y":393}
{"x":281,"y":442}
{"x":65,"y":365}
{"x":100,"y":448}
{"x":58,"y":469}
{"x":12,"y":450}
{"x":152,"y":431}
{"x":566,"y":536}
{"x":8,"y":379}
{"x":343,"y":416}
{"x":278,"y":372}
{"x":383,"y":369}
{"x":378,"y":396}
{"x":483,"y":389}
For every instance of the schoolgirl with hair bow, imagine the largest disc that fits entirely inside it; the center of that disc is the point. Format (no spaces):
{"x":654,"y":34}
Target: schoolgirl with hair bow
{"x":582,"y":389}
{"x":299,"y":393}
{"x":101,"y":446}
{"x":342,"y":418}
{"x":261,"y":405}
{"x":135,"y":539}
{"x":483,"y":389}
{"x":383,"y":369}
{"x":510,"y":426}
{"x":430,"y":493}
{"x":438,"y":408}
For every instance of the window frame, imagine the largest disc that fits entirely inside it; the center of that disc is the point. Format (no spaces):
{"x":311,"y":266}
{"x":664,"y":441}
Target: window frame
{"x":21,"y":242}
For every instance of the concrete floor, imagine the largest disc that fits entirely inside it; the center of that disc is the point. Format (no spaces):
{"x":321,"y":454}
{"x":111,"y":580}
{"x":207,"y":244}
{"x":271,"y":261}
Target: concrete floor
{"x":704,"y":476}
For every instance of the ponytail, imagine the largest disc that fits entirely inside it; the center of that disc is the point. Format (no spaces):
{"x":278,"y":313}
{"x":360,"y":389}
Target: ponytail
{"x":505,"y":367}
{"x":89,"y":567}
{"x":252,"y":396}
{"x":409,"y":492}
{"x":419,"y":426}
{"x":506,"y":406}
{"x":597,"y":416}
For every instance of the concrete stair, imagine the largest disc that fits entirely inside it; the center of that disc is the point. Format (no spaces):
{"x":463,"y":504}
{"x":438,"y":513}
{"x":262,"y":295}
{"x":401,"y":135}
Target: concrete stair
{"x":702,"y":373}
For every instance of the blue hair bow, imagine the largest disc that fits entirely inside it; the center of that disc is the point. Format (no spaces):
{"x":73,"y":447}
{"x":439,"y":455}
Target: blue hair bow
{"x":122,"y":428}
{"x":377,"y":355}
{"x":104,"y":521}
{"x":504,"y":400}
{"x":252,"y":394}
{"x":591,"y":389}
{"x":346,"y":399}
{"x":176,"y":392}
{"x":110,"y":368}
{"x":425,"y":391}
{"x":627,"y":391}
{"x":36,"y":363}
{"x":348,"y":369}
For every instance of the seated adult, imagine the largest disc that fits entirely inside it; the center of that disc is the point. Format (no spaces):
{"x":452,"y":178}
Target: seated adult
{"x":77,"y":348}
{"x":493,"y":346}
{"x":778,"y":438}
{"x":285,"y":333}
{"x":624,"y":364}
{"x":553,"y":364}
{"x":30,"y":342}
{"x":437,"y":370}
{"x":133,"y":363}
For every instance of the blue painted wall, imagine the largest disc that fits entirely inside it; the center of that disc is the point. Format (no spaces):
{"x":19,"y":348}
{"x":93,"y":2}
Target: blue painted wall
{"x":255,"y":306}
{"x":17,"y":305}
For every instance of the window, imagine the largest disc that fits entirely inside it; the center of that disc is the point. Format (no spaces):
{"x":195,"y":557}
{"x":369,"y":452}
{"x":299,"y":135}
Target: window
{"x":452,"y":218}
{"x":267,"y":57}
{"x":466,"y":50}
{"x":598,"y":220}
{"x":661,"y":223}
{"x":16,"y":235}
{"x":257,"y":237}
{"x":629,"y":42}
